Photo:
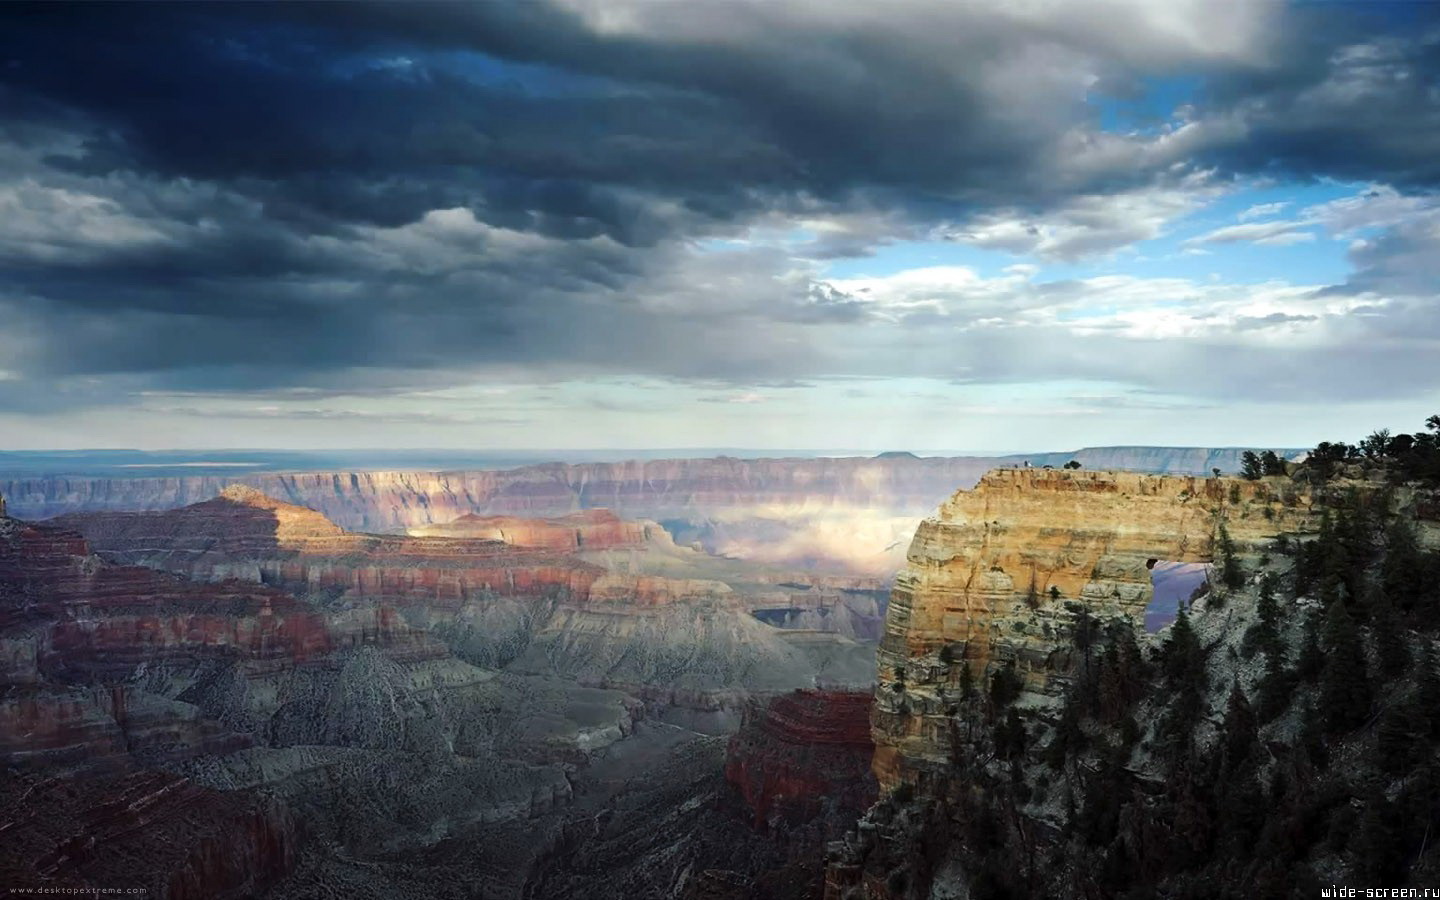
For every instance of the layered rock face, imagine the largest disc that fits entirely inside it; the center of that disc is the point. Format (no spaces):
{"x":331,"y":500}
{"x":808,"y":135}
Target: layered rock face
{"x":591,"y":529}
{"x":846,"y":514}
{"x":539,"y":611}
{"x":166,"y":734}
{"x":387,"y":501}
{"x":244,"y":534}
{"x":805,"y":756}
{"x":1000,"y":573}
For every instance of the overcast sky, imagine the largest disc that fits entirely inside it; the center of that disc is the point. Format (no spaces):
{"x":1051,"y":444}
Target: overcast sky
{"x":606,"y":223}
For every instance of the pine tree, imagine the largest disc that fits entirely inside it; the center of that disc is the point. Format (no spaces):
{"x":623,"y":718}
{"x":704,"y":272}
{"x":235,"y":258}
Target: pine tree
{"x":1391,"y":650}
{"x":1005,"y":686}
{"x":1069,"y":738}
{"x":1240,"y":736}
{"x":1378,"y":845}
{"x":1231,"y":574}
{"x":1401,"y":572}
{"x":1184,"y":667}
{"x":1182,"y":655}
{"x":1271,"y":463}
{"x":1427,"y":690}
{"x":1267,"y":620}
{"x":1344,"y":684}
{"x":1399,"y":737}
{"x":1311,"y":660}
{"x":1250,"y":466}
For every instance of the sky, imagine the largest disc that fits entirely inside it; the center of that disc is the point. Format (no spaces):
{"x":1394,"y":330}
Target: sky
{"x":919,"y":225}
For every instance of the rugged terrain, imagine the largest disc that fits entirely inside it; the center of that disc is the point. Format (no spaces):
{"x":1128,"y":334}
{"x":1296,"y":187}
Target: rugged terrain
{"x":847,"y":515}
{"x":1032,"y":741}
{"x":644,"y":616}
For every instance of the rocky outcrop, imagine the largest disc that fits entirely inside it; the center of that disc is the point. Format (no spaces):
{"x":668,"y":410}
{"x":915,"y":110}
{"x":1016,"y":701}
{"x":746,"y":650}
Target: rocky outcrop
{"x":591,"y":529}
{"x":69,"y":615}
{"x":999,"y":575}
{"x":805,"y":756}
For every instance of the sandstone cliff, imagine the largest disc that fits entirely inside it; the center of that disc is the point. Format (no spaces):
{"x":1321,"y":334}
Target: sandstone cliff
{"x":998,"y":575}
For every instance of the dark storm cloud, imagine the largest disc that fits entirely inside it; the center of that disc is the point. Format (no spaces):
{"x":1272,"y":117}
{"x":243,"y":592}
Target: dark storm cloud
{"x":242,"y":197}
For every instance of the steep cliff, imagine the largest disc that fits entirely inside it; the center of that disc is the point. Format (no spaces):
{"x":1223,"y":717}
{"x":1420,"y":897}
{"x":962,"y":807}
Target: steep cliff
{"x":1032,"y":741}
{"x":998,"y":575}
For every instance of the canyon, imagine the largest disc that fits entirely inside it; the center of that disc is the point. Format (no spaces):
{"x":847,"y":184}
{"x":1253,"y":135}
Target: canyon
{"x":515,"y":702}
{"x":848,"y":515}
{"x":221,"y":672}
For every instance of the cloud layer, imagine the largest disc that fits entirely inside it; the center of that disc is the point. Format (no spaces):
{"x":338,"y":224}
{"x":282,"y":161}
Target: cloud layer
{"x":377,"y":201}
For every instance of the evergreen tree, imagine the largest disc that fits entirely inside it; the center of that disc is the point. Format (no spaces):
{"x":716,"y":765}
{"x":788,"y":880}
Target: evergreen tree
{"x":1344,"y":684}
{"x":1250,"y":467}
{"x":1010,"y":737}
{"x":1271,"y":463}
{"x":1400,"y":736}
{"x":1402,"y":575}
{"x":1184,"y":667}
{"x":1391,"y":651}
{"x":1378,"y":845}
{"x":1240,"y":735}
{"x":1182,"y":656}
{"x":1311,"y":660}
{"x":967,"y":682}
{"x":1069,"y":738}
{"x":1231,"y":574}
{"x":1005,"y":686}
{"x":1267,"y":620}
{"x":1427,"y":690}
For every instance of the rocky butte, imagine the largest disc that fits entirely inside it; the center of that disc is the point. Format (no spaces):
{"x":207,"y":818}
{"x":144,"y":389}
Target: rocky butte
{"x":999,"y":573}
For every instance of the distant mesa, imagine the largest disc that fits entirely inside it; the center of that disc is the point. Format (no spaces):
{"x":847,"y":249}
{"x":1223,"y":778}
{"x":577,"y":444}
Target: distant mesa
{"x":896,"y":454}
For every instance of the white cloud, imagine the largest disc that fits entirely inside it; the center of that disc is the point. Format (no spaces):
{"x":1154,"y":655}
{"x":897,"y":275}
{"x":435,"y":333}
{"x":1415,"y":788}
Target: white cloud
{"x":1088,"y":225}
{"x":1264,"y":210}
{"x":1279,"y":233}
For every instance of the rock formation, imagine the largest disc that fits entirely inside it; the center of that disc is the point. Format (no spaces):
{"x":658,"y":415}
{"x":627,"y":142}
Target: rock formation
{"x":495,"y":604}
{"x":805,"y":756}
{"x":590,"y":529}
{"x":1000,"y":573}
{"x":849,"y":514}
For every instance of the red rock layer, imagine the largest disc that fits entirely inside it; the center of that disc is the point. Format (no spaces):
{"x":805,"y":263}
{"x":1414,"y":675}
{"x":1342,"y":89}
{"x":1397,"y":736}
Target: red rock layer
{"x":98,"y":619}
{"x":804,"y":755}
{"x":246,"y":534}
{"x":591,"y":529}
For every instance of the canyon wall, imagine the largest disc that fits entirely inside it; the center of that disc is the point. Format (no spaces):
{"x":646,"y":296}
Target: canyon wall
{"x":1000,"y":573}
{"x":656,"y":489}
{"x":805,"y":756}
